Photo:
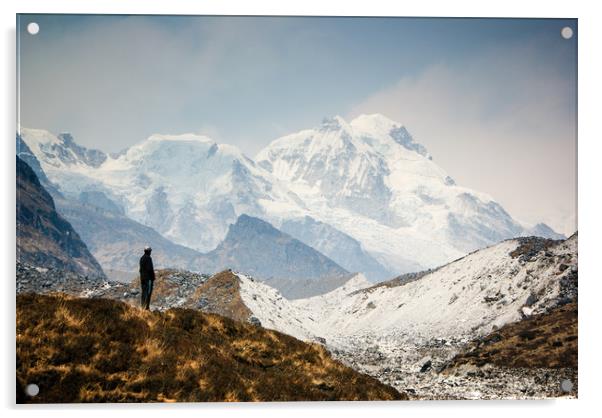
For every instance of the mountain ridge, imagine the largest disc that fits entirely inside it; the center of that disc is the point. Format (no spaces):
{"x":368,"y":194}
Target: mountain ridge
{"x":259,"y":249}
{"x":45,"y":238}
{"x":369,"y":181}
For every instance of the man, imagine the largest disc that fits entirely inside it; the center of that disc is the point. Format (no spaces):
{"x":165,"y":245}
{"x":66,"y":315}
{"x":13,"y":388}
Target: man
{"x":147,"y":277}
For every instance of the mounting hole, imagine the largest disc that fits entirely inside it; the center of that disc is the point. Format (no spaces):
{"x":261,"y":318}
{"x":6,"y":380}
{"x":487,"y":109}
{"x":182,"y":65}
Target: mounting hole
{"x":32,"y":389}
{"x":566,"y":385}
{"x":567,"y":32}
{"x":33,"y":28}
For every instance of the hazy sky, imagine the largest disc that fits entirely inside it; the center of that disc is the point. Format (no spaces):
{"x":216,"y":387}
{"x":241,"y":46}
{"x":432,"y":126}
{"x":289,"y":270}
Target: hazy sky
{"x":493,"y":100}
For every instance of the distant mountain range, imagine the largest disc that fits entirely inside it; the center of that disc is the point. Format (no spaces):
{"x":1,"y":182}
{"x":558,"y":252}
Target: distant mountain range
{"x":362,"y":194}
{"x":251,"y":245}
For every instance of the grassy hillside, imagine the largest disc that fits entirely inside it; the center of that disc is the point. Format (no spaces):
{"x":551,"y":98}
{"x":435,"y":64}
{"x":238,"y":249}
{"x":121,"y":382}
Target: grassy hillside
{"x":101,"y":350}
{"x":543,"y":341}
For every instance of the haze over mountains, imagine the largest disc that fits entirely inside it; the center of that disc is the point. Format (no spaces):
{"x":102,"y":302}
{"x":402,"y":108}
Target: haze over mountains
{"x":364,"y":194}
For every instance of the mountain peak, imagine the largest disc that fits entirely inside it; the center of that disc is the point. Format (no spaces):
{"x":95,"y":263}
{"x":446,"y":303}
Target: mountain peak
{"x":67,"y":138}
{"x":334,"y":123}
{"x":38,"y":136}
{"x":373,"y":119}
{"x":61,"y":149}
{"x":378,"y":125}
{"x":543,"y":230}
{"x":257,"y":248}
{"x":186,"y":137}
{"x":249,"y":226}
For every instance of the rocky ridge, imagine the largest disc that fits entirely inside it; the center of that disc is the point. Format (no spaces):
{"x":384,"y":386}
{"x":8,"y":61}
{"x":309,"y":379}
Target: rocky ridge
{"x":44,"y":237}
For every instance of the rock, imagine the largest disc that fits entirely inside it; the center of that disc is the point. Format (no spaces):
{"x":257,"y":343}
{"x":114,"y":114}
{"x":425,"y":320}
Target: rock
{"x":255,"y":321}
{"x":493,"y":298}
{"x":427,"y":364}
{"x":531,"y":299}
{"x":526,"y":311}
{"x":202,"y":303}
{"x":320,"y":340}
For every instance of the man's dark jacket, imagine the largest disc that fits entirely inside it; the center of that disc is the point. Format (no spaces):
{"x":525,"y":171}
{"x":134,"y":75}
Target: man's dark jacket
{"x":147,"y":271}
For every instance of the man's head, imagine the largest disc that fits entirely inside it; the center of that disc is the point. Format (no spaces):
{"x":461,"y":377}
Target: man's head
{"x":147,"y":250}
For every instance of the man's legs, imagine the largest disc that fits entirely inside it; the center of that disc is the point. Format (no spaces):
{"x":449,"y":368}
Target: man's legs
{"x":149,"y":292}
{"x":143,"y":293}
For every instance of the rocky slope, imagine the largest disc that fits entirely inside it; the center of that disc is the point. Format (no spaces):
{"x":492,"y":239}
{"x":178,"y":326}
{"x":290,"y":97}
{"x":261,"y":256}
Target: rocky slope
{"x":44,"y":238}
{"x":486,"y":289}
{"x":100,"y":350}
{"x":468,"y":298}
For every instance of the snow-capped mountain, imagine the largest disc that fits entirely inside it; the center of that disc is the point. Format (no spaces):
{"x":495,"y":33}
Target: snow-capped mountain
{"x":363,"y":193}
{"x":371,"y":180}
{"x":187,"y":187}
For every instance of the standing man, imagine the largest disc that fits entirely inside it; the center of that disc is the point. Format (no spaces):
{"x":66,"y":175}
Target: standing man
{"x":147,"y":277}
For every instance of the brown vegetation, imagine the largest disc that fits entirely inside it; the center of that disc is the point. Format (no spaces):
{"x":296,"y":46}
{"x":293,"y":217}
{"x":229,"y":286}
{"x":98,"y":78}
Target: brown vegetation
{"x":101,"y":350}
{"x":543,"y":341}
{"x":529,"y":247}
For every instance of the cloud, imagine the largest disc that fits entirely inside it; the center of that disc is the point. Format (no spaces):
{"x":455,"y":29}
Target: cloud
{"x":502,"y":123}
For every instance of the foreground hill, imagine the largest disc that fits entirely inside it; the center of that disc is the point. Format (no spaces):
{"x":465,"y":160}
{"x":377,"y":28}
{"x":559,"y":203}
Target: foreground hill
{"x":101,"y":350}
{"x":44,"y":238}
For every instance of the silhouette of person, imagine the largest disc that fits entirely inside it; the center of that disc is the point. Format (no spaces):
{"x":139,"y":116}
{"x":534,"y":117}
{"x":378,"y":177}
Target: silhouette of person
{"x":147,"y":277}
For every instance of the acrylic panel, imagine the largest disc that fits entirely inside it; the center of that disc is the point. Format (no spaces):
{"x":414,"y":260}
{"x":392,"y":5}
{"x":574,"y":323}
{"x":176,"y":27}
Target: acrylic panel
{"x":236,"y":208}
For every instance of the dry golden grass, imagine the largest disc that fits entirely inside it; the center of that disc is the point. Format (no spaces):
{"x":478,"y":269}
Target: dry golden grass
{"x":543,"y":341}
{"x":101,"y":350}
